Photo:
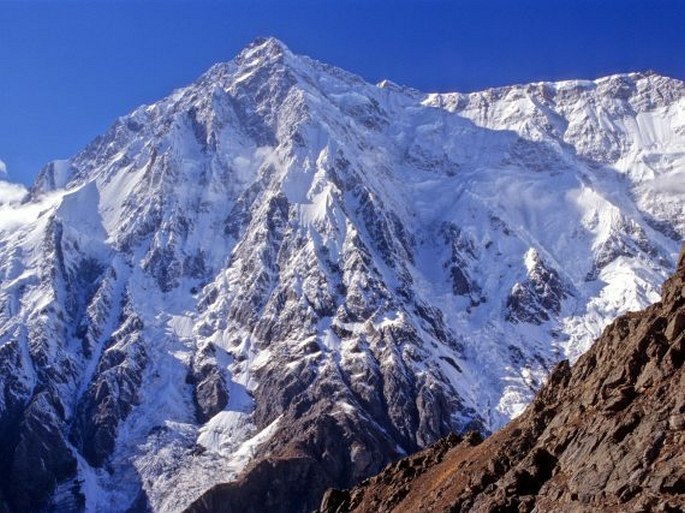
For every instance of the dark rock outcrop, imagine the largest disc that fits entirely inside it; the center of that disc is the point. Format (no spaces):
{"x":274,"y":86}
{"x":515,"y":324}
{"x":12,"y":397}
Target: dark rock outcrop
{"x":111,"y":394}
{"x":605,"y":435}
{"x":209,"y":385}
{"x":540,"y":294}
{"x":41,"y":456}
{"x":302,"y":463}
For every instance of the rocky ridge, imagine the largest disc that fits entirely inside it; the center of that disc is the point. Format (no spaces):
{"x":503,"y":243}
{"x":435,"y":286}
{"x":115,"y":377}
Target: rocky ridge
{"x":604,"y":435}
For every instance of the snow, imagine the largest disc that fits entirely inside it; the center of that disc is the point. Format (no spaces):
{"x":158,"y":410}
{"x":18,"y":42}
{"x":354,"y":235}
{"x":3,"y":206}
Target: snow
{"x":61,"y":172}
{"x":225,"y":431}
{"x":492,"y":184}
{"x":672,"y":184}
{"x":15,"y":215}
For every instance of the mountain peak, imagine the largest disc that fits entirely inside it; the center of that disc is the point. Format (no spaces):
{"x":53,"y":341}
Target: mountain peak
{"x":262,"y":52}
{"x":269,"y":43}
{"x":264,"y":49}
{"x":280,"y":261}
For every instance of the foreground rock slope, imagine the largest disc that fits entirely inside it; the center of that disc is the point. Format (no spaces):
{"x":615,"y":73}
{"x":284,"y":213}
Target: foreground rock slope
{"x":607,"y":434}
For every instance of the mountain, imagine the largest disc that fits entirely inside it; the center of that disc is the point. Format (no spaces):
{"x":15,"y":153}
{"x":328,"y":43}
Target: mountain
{"x":280,"y":278}
{"x":605,"y":435}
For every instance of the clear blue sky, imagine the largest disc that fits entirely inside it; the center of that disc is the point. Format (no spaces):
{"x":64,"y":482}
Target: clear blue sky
{"x":69,"y":68}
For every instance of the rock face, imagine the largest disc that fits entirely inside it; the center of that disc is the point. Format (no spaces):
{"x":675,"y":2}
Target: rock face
{"x":283,"y":272}
{"x":540,"y":295}
{"x":605,"y":435}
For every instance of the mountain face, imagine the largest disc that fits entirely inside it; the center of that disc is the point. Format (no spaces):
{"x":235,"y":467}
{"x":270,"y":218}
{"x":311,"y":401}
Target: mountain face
{"x":280,"y":278}
{"x":606,"y":435}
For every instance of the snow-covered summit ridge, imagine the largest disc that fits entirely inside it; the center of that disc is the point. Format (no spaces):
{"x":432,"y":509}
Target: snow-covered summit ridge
{"x":281,"y":255}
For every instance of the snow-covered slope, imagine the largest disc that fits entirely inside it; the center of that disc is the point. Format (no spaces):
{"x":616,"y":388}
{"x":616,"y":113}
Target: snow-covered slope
{"x":283,"y":265}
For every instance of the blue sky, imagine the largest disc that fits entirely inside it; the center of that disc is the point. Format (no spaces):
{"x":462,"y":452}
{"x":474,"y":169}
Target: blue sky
{"x":69,"y":68}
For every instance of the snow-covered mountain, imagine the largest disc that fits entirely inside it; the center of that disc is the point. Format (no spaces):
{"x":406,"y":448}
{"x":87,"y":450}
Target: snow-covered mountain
{"x":280,"y":277}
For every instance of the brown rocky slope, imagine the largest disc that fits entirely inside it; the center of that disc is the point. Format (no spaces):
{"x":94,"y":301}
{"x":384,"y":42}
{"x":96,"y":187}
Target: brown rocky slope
{"x":605,"y":435}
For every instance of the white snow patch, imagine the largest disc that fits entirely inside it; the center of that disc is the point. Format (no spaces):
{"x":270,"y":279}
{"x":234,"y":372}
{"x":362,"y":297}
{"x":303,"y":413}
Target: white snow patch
{"x":241,"y":455}
{"x":61,"y":172}
{"x":224,"y":432}
{"x":672,"y":184}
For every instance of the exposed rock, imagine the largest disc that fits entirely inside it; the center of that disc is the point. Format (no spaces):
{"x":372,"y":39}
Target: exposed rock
{"x":210,"y":392}
{"x":606,"y":435}
{"x":112,"y":393}
{"x":280,"y":272}
{"x":42,"y":457}
{"x":301,"y":465}
{"x":539,"y":296}
{"x":463,"y":252}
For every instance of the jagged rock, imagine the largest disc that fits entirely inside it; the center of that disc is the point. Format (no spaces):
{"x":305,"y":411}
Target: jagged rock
{"x":675,"y":326}
{"x":337,"y":256}
{"x":111,"y":395}
{"x":210,"y":392}
{"x":620,"y":452}
{"x":539,"y":296}
{"x":41,"y":457}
